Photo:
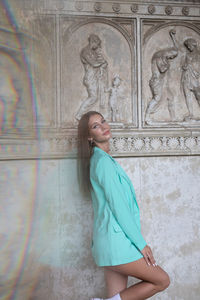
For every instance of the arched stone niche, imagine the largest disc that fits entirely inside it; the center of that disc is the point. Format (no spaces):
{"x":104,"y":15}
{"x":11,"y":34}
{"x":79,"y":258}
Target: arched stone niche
{"x":170,"y":85}
{"x":98,"y":84}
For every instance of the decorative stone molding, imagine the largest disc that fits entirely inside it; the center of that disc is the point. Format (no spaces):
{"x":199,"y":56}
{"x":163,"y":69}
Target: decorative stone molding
{"x":141,"y":8}
{"x":155,"y":145}
{"x":130,"y":145}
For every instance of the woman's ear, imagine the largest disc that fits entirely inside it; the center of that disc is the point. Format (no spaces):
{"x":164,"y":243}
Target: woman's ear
{"x":91,"y":142}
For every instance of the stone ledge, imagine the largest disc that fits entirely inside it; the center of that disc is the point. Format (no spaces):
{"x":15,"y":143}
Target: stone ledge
{"x":135,"y":145}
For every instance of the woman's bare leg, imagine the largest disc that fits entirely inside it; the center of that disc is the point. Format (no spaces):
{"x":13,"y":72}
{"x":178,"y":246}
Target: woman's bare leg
{"x":154,"y":279}
{"x":115,"y":282}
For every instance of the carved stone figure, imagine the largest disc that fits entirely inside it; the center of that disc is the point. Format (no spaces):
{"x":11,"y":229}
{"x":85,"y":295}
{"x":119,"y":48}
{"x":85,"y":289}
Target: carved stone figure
{"x":96,"y":74}
{"x":115,"y":98}
{"x":160,"y":64}
{"x":190,"y":80}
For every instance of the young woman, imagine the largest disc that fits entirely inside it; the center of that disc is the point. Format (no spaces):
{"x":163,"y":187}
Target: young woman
{"x":117,"y":244}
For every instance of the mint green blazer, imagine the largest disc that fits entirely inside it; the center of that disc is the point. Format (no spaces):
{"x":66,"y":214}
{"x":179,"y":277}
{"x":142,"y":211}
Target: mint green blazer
{"x":117,"y":237}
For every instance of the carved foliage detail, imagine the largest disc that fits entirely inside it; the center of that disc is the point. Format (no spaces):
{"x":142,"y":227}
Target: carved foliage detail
{"x":134,"y":8}
{"x":79,"y":5}
{"x":185,"y":10}
{"x":60,"y":4}
{"x":168,"y":10}
{"x":67,"y":146}
{"x":151,"y":9}
{"x":97,"y":7}
{"x":116,"y":7}
{"x":155,"y":144}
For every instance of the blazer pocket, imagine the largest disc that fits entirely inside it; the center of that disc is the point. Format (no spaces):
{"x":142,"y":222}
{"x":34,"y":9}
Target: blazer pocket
{"x":117,"y":228}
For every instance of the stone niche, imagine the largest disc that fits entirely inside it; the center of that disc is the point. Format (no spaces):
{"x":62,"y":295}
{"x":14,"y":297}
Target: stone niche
{"x":136,"y":63}
{"x":102,"y":78}
{"x":170,"y":76}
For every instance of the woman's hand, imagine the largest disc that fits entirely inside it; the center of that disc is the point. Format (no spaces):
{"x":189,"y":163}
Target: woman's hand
{"x":148,"y":256}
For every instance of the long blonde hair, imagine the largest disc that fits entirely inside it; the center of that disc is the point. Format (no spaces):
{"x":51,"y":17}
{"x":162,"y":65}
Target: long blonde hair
{"x":85,"y":150}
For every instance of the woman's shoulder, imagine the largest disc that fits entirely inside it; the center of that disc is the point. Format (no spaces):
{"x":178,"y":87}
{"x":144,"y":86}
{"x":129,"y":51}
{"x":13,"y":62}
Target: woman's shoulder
{"x":100,"y":159}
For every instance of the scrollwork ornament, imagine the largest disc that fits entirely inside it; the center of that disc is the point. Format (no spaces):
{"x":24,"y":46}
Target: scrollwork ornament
{"x":151,"y":9}
{"x":134,"y":8}
{"x":97,"y":7}
{"x":185,"y":10}
{"x":116,"y":7}
{"x":79,"y":5}
{"x":168,"y":10}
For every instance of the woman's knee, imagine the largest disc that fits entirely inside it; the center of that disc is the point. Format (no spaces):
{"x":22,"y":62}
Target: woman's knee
{"x":164,"y":282}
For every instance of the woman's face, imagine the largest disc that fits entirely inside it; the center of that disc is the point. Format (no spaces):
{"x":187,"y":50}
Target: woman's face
{"x":99,"y":129}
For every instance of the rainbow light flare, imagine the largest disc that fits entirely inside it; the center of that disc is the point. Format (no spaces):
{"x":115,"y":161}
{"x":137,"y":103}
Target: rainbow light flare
{"x":14,"y":268}
{"x":10,"y":97}
{"x":14,"y":66}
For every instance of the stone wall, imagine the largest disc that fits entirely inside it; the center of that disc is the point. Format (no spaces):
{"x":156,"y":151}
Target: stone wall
{"x":143,"y":76}
{"x":46,"y":227}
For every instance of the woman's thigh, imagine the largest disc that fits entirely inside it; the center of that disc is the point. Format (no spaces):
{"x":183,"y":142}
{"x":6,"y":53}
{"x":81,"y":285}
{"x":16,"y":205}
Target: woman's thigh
{"x":115,"y":282}
{"x":142,"y":271}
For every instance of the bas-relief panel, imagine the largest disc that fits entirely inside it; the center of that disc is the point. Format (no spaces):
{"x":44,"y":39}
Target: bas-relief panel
{"x":42,"y":60}
{"x":97,"y":59}
{"x":15,"y":95}
{"x":171,"y":78}
{"x":28,"y":77}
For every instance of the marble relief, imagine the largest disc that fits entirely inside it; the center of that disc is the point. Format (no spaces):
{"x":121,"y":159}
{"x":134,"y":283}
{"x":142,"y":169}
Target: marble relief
{"x":160,"y":64}
{"x":15,"y":94}
{"x":96,"y":74}
{"x":173,"y":88}
{"x":42,"y":61}
{"x":99,"y":56}
{"x":190,"y":80}
{"x":28,"y":77}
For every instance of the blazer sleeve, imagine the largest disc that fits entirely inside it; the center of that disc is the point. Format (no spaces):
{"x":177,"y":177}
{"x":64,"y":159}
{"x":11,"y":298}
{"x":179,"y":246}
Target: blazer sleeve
{"x":108,"y":178}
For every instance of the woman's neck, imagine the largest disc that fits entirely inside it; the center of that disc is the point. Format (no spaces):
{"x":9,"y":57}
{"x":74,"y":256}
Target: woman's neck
{"x":104,"y":146}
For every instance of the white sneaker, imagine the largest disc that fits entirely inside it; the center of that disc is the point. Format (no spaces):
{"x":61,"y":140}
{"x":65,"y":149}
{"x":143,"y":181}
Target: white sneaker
{"x":96,"y":299}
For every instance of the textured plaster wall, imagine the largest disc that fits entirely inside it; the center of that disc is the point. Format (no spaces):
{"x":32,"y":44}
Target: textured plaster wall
{"x":45,"y":227}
